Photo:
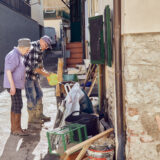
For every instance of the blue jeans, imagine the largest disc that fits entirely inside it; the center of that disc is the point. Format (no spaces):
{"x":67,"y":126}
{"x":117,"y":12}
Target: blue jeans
{"x":33,"y":93}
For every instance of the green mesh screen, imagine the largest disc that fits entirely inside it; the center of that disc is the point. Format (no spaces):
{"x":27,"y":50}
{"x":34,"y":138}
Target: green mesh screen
{"x":96,"y":39}
{"x":108,"y":36}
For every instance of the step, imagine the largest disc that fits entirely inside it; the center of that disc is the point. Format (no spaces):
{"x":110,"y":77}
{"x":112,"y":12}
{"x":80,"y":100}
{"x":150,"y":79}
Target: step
{"x":74,"y":45}
{"x":71,"y":65}
{"x":76,"y":50}
{"x":74,"y":61}
{"x":76,"y":56}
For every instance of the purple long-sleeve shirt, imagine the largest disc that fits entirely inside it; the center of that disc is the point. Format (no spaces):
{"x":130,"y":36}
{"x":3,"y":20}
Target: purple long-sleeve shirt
{"x":14,"y":63}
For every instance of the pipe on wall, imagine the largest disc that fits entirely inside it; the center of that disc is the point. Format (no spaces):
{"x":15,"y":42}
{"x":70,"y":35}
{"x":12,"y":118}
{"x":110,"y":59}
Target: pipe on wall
{"x":120,"y":146}
{"x":83,"y":26}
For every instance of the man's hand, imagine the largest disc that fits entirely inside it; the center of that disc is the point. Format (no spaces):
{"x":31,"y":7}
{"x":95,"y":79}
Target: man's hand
{"x":12,"y":90}
{"x":37,"y":70}
{"x":47,"y":74}
{"x":42,"y":71}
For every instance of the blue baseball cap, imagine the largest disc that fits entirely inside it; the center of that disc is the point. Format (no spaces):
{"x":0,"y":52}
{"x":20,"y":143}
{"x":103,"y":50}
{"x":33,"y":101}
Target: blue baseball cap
{"x":48,"y":40}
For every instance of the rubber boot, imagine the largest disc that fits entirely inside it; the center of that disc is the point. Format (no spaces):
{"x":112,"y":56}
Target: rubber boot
{"x":39,"y":113}
{"x":17,"y":123}
{"x":12,"y":122}
{"x":32,"y":117}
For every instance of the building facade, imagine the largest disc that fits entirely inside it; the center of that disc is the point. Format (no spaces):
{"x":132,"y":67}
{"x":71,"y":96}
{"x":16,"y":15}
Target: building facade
{"x":140,"y":49}
{"x":37,"y":11}
{"x":141,"y":57}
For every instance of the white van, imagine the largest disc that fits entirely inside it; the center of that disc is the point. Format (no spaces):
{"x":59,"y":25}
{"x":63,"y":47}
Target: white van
{"x":51,"y":32}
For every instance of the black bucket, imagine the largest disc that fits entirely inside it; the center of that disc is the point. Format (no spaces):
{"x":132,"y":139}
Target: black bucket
{"x":91,"y":121}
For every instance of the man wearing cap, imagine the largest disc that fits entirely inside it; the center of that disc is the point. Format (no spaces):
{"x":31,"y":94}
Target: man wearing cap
{"x":14,"y":81}
{"x":34,"y":68}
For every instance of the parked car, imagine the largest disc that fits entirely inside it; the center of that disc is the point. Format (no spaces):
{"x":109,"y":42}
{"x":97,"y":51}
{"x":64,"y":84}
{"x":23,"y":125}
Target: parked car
{"x":51,"y":32}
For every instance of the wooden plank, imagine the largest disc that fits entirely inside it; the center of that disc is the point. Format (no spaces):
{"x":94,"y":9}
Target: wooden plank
{"x":75,"y":61}
{"x":74,"y":45}
{"x":76,"y":50}
{"x":83,"y":152}
{"x":60,"y":76}
{"x":100,"y":86}
{"x":76,"y":56}
{"x":93,"y":83}
{"x":72,"y":156}
{"x":91,"y":69}
{"x":89,"y":141}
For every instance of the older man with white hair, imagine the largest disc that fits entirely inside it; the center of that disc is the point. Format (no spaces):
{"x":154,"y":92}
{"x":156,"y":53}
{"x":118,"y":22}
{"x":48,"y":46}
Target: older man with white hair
{"x":34,"y":68}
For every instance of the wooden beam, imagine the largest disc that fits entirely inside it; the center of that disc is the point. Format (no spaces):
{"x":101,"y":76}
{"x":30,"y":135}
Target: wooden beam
{"x":100,"y":86}
{"x":87,"y":77}
{"x":60,"y":76}
{"x":83,"y":152}
{"x":91,"y":69}
{"x":93,"y":83}
{"x":87,"y":142}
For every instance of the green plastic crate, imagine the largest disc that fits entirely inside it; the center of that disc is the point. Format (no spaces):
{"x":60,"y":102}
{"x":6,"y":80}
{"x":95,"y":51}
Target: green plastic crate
{"x":70,"y":77}
{"x":64,"y":137}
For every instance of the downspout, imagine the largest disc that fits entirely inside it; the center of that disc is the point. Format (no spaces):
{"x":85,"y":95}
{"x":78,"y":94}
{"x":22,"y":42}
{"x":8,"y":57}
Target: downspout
{"x":120,"y":148}
{"x":83,"y":26}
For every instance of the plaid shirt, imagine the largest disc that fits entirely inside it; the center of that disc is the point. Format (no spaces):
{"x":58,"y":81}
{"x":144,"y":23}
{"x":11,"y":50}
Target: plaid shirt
{"x":33,"y":60}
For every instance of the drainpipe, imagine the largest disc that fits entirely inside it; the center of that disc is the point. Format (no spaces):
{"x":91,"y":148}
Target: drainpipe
{"x":120,"y":135}
{"x":83,"y":26}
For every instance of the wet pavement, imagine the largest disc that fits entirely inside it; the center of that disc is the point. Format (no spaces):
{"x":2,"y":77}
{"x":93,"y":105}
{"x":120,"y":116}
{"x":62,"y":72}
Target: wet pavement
{"x":34,"y":146}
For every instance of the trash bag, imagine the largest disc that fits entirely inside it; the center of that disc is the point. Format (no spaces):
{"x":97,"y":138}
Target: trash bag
{"x":91,"y":121}
{"x":86,"y":104}
{"x":72,"y":99}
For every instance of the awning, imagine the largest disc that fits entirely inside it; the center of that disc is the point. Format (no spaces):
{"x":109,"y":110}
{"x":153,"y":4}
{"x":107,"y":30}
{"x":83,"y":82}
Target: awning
{"x":50,"y":5}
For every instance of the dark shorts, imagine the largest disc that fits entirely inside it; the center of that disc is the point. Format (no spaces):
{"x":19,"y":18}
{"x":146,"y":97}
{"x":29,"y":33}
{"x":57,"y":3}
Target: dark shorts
{"x":16,"y":101}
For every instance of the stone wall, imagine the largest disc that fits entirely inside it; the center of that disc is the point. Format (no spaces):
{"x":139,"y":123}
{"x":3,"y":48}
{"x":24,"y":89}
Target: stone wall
{"x":141,"y":63}
{"x":110,"y":93}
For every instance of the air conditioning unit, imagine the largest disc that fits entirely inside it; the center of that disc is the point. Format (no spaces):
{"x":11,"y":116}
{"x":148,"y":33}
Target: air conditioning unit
{"x":49,"y":11}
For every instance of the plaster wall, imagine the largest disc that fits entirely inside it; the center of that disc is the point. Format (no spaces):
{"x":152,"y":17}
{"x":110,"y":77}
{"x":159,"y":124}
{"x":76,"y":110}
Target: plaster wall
{"x":54,"y":23}
{"x":37,"y":11}
{"x":140,"y":16}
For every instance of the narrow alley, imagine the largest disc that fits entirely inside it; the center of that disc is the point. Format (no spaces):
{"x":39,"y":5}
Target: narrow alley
{"x":98,"y":64}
